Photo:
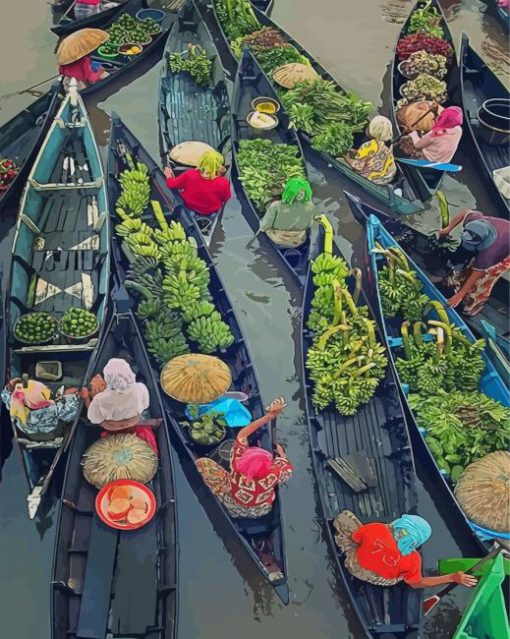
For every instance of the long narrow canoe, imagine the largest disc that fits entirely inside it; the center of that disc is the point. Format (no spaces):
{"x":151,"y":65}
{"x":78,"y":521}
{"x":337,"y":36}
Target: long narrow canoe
{"x":118,"y":68}
{"x":480,"y":83}
{"x":189,"y":112}
{"x":60,"y":259}
{"x":377,"y":433}
{"x":492,"y":384}
{"x":433,"y":261}
{"x":425,"y":182}
{"x":106,"y":580}
{"x":399,"y":195}
{"x":251,"y":82}
{"x":262,"y":539}
{"x":22,"y":136}
{"x":65,"y":22}
{"x":498,"y":349}
{"x":264,"y":6}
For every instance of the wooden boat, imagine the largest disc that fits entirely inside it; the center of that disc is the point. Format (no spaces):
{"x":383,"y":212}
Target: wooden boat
{"x":498,"y":349}
{"x":378,"y":434}
{"x":22,"y":136}
{"x":264,"y":6}
{"x":399,"y":195}
{"x":64,"y":22}
{"x":263,"y":539}
{"x":188,"y":112}
{"x":500,"y":14}
{"x":252,"y":83}
{"x":479,"y":83}
{"x":433,"y":261}
{"x":119,"y":67}
{"x":424,"y":182}
{"x":492,"y":384}
{"x":107,"y":580}
{"x":60,"y":259}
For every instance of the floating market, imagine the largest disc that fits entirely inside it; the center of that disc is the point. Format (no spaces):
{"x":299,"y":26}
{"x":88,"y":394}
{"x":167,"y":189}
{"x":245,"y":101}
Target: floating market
{"x":255,"y":277}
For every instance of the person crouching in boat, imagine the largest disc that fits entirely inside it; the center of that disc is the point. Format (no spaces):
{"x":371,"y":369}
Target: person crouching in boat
{"x":488,"y":239}
{"x":74,"y":61}
{"x":86,"y":8}
{"x":249,"y":489}
{"x":286,"y":221}
{"x":204,"y":190}
{"x":117,"y":402}
{"x":440,"y":143}
{"x":374,"y":159}
{"x":385,"y":554}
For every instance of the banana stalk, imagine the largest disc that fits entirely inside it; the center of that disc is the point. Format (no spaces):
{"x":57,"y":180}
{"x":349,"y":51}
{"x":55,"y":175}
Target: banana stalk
{"x":444,"y":210}
{"x":447,"y":329}
{"x":328,"y":333}
{"x":438,"y":307}
{"x":364,"y":369}
{"x":348,"y":364}
{"x":159,"y":215}
{"x":404,"y":331}
{"x":370,"y":333}
{"x":418,"y":333}
{"x":328,"y":233}
{"x":439,"y":346}
{"x":400,"y":257}
{"x":358,"y":278}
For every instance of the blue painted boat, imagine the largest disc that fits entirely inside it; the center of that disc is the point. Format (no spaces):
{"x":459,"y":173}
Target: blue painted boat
{"x":504,"y":18}
{"x":60,"y":260}
{"x":498,"y":349}
{"x":491,"y":384}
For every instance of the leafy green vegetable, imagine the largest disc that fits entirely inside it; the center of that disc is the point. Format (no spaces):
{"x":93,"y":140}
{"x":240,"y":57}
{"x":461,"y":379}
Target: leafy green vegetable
{"x":426,"y":19}
{"x":236,"y":18}
{"x":335,"y":140}
{"x":271,"y":59}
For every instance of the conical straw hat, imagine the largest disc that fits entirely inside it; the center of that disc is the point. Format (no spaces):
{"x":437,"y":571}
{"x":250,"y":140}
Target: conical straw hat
{"x":189,"y":153}
{"x":483,"y":491}
{"x":289,"y":75}
{"x":195,"y":378}
{"x":123,"y":456}
{"x":79,"y":44}
{"x":411,"y":115}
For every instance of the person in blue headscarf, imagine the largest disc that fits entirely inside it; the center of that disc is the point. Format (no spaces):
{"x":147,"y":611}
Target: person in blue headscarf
{"x":385,"y":554}
{"x":488,"y":240}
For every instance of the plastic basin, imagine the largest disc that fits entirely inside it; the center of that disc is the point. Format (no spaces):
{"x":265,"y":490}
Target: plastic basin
{"x":155,"y":14}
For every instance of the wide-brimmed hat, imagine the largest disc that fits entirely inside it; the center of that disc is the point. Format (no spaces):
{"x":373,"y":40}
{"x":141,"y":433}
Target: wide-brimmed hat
{"x":290,"y":74}
{"x":483,"y":491}
{"x":79,"y":44}
{"x":195,"y":378}
{"x":189,"y":153}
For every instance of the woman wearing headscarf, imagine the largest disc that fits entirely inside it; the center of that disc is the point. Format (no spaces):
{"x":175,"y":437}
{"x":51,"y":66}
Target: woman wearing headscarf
{"x":374,"y":159}
{"x":85,"y":8}
{"x":204,"y":190}
{"x":287,"y":221}
{"x":385,"y":554}
{"x":488,"y":239}
{"x":440,"y":143}
{"x":249,"y":489}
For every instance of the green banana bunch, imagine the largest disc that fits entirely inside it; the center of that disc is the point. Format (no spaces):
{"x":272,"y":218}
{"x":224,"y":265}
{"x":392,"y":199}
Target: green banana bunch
{"x":141,"y":265}
{"x":163,"y":350}
{"x":178,"y":291}
{"x":132,"y":226}
{"x":148,"y":308}
{"x":327,"y":268}
{"x":198,"y":309}
{"x":174,"y":252}
{"x":211,"y":333}
{"x":174,"y":233}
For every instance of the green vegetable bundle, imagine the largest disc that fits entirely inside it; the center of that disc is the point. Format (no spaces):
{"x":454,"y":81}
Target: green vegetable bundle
{"x":265,"y":167}
{"x":461,"y":427}
{"x":236,"y":18}
{"x":426,"y":19}
{"x":210,"y":429}
{"x":78,"y":322}
{"x":195,"y":61}
{"x":271,"y":59}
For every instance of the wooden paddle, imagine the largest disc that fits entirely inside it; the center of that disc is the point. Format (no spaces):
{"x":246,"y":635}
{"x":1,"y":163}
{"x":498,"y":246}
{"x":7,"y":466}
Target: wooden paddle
{"x":250,"y":243}
{"x":427,"y":164}
{"x":431,"y":602}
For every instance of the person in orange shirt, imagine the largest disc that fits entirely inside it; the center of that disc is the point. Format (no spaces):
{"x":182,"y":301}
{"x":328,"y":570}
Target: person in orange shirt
{"x":385,"y":554}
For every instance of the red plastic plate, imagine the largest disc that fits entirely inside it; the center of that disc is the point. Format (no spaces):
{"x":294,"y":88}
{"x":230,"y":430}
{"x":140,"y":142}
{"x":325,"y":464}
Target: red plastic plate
{"x":140,"y":491}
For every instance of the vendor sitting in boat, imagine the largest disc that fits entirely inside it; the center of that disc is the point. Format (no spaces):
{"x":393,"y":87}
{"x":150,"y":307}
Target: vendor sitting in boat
{"x":488,"y":238}
{"x":440,"y":143}
{"x":287,"y":221}
{"x":86,"y":8}
{"x":74,"y":61}
{"x":374,"y":159}
{"x":385,"y":554}
{"x":249,"y":489}
{"x":117,"y":402}
{"x":204,"y":190}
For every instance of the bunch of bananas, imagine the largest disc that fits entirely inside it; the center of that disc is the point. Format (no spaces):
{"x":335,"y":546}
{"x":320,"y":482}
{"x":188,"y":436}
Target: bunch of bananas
{"x":179,"y":292}
{"x":326,"y":268}
{"x":148,"y":308}
{"x":132,"y":226}
{"x":142,"y":265}
{"x":174,"y":252}
{"x":136,"y":190}
{"x":323,"y":309}
{"x":211,"y":333}
{"x":164,"y":336}
{"x":173,"y":232}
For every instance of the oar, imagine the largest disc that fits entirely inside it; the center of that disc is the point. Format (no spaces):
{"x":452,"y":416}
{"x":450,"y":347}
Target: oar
{"x":427,"y":164}
{"x":431,"y":602}
{"x":250,"y":243}
{"x":11,"y":95}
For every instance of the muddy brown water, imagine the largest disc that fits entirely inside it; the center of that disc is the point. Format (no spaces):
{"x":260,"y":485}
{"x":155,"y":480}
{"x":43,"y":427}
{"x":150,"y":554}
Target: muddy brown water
{"x":220,"y":593}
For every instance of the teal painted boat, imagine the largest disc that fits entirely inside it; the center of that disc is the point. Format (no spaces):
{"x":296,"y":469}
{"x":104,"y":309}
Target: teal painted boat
{"x":60,"y":260}
{"x":498,"y":349}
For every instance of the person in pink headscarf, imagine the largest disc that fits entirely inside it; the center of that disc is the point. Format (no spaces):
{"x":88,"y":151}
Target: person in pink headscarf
{"x":440,"y":143}
{"x":249,"y":489}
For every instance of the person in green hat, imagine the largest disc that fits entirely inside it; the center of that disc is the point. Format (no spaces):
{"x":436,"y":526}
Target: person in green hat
{"x":287,"y":221}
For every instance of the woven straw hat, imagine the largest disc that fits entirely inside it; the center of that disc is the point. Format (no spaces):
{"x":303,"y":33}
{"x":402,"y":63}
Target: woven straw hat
{"x":289,"y":75}
{"x":483,"y":491}
{"x":411,"y":113}
{"x":189,"y":153}
{"x":195,"y":378}
{"x":79,"y":44}
{"x":123,"y":456}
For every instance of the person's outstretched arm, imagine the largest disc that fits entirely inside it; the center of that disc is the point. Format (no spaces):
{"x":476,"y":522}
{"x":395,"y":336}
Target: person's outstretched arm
{"x":454,"y":578}
{"x":274,"y":409}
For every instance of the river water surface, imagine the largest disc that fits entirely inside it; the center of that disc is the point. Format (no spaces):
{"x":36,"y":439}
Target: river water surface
{"x":220,"y":595}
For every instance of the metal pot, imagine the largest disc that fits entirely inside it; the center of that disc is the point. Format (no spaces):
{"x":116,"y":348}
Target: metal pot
{"x":494,"y":118}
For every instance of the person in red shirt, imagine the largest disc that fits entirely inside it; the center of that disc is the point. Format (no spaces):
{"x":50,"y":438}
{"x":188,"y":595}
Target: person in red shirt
{"x":85,"y":8}
{"x":249,"y":489}
{"x":82,"y":71}
{"x":385,"y":554}
{"x":204,"y":190}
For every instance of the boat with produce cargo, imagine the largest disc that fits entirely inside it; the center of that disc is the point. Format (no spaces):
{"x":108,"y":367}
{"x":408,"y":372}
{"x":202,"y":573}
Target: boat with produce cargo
{"x":65,"y":22}
{"x":194,"y":105}
{"x":57,"y":294}
{"x":486,"y":104}
{"x":371,"y":474}
{"x":330,"y":102}
{"x":152,"y":253}
{"x":426,"y":30}
{"x":447,"y":381}
{"x":277,"y":149}
{"x":20,"y":140}
{"x":121,"y":580}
